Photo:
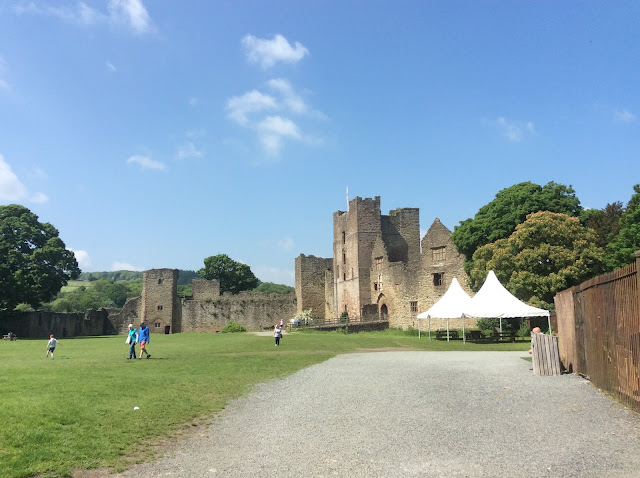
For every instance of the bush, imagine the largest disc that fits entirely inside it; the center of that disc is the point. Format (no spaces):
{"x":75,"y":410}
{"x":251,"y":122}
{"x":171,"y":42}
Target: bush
{"x":344,"y":317}
{"x":233,"y":327}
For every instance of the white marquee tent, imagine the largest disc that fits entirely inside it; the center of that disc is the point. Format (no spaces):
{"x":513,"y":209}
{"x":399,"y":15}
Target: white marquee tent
{"x":450,"y":306}
{"x":491,"y":301}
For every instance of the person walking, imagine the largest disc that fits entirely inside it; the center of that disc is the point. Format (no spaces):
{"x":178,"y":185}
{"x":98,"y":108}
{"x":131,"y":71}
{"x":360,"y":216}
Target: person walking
{"x":132,"y":340}
{"x":277,"y":333}
{"x":143,"y":340}
{"x":51,"y":346}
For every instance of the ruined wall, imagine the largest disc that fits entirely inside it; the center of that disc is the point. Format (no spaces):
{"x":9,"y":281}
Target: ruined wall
{"x":38,"y":324}
{"x":160,"y":305}
{"x":330,"y":308}
{"x":401,"y":234}
{"x":203,"y":289}
{"x":254,"y":311}
{"x":311,"y":271}
{"x":130,"y":314}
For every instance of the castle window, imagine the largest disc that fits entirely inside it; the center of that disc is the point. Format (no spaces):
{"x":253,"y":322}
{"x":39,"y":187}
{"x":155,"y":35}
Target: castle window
{"x":378,"y":263}
{"x":344,"y":276}
{"x":344,"y":237}
{"x":157,"y":324}
{"x":438,"y":254}
{"x":375,"y":286}
{"x":159,"y":281}
{"x":414,"y":306}
{"x":438,"y":279}
{"x":159,"y":307}
{"x":344,"y":258}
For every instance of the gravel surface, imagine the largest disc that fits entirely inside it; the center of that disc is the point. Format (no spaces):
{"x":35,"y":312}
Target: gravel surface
{"x":427,"y":414}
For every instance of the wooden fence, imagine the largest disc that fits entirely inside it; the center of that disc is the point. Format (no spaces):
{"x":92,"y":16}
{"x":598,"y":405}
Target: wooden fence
{"x":599,"y":331}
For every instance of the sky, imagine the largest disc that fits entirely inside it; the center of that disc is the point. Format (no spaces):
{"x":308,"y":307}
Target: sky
{"x":156,"y":133}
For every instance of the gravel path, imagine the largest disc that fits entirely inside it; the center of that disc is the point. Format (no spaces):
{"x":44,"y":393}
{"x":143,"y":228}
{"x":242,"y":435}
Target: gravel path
{"x":427,"y":414}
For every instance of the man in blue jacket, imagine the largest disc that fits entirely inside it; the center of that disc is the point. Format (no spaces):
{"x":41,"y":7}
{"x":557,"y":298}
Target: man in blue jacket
{"x":143,"y":339}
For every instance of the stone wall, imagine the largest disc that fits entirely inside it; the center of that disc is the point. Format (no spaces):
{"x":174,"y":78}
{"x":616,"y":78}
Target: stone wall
{"x":203,"y":289}
{"x":38,"y":324}
{"x":311,"y":271}
{"x":254,"y":311}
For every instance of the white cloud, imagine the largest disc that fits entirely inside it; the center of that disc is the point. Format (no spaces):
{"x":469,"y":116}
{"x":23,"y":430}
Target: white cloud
{"x":238,"y":107}
{"x":624,"y":116}
{"x":110,"y":66}
{"x":125,"y":266}
{"x":514,"y":131}
{"x":4,"y":85}
{"x":145,"y":162}
{"x":84,"y":261}
{"x":286,"y":243}
{"x":12,"y":189}
{"x":294,"y":102}
{"x":130,"y":13}
{"x":188,"y":150}
{"x":274,"y":274}
{"x":268,"y":52}
{"x":273,"y":129}
{"x":193,"y":101}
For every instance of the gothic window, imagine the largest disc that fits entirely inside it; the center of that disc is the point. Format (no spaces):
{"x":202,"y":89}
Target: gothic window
{"x":414,"y":306}
{"x":438,"y":279}
{"x":159,"y":307}
{"x":378,"y":263}
{"x":157,"y":324}
{"x":438,"y":254}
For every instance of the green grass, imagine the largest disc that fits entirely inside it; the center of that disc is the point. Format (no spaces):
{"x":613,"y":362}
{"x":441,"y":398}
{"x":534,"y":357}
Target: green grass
{"x":76,"y":412}
{"x":75,"y":284}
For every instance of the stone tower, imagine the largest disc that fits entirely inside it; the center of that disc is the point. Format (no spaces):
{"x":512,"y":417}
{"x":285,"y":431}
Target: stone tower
{"x":160,"y":305}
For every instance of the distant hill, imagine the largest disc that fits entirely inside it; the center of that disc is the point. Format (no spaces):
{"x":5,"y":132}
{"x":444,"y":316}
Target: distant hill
{"x":184,"y":277}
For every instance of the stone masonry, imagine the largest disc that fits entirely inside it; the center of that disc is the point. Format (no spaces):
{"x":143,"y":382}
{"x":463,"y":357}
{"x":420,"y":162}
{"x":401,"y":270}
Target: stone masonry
{"x":380,"y":269}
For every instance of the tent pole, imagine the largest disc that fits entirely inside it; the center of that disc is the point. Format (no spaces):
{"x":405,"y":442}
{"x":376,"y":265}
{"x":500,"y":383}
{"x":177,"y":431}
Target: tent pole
{"x":500,"y":324}
{"x":464,"y":338}
{"x":447,"y":330}
{"x":429,"y":328}
{"x":418,"y":327}
{"x":549,"y":320}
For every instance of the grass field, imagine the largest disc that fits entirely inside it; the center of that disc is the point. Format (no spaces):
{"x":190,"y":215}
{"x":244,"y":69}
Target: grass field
{"x":77,"y":411}
{"x":75,"y":284}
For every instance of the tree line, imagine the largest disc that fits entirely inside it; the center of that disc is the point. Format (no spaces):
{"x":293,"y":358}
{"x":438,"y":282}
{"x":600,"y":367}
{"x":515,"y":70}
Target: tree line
{"x":539,"y":240}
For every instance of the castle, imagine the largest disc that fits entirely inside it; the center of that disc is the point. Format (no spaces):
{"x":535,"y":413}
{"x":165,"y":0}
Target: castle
{"x":380,"y":269}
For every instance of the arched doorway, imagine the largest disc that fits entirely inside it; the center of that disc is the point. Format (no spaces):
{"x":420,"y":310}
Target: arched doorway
{"x":384,"y":312}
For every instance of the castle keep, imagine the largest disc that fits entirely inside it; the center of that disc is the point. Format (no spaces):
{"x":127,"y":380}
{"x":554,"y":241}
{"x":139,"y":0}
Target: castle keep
{"x":380,"y":269}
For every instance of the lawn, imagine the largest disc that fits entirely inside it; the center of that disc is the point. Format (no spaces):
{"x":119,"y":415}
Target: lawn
{"x":77,"y":411}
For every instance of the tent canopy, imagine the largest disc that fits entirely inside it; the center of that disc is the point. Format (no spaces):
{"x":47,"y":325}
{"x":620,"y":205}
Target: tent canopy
{"x":493,"y":300}
{"x":451,"y":305}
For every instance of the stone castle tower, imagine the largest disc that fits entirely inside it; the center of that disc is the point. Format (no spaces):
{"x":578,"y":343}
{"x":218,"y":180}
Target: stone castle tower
{"x":378,"y":271}
{"x":160,"y":305}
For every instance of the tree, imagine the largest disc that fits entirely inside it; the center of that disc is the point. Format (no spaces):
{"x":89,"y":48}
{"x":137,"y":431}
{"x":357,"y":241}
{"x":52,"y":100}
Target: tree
{"x":622,"y":248}
{"x":233,"y":276}
{"x":604,"y":222}
{"x":272,"y":288}
{"x":499,"y":218}
{"x":547,"y":253}
{"x":35,"y":262}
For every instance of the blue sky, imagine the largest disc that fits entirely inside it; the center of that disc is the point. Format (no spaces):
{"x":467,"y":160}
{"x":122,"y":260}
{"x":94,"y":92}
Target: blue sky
{"x":157,"y":133}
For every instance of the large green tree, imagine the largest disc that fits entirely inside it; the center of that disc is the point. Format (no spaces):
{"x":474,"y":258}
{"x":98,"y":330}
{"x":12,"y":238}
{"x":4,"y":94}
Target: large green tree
{"x":499,"y":218}
{"x":547,"y":253}
{"x":622,"y":248}
{"x":233,"y":276}
{"x":34,"y":263}
{"x":604,"y":222}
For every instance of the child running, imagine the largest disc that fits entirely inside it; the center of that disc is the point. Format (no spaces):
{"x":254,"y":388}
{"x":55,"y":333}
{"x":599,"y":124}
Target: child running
{"x":51,"y":346}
